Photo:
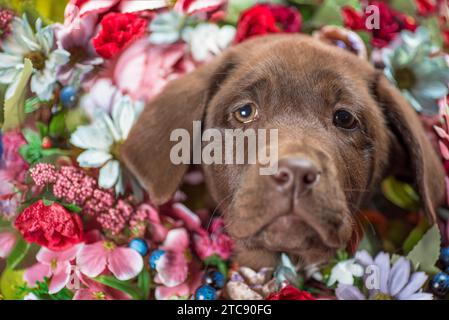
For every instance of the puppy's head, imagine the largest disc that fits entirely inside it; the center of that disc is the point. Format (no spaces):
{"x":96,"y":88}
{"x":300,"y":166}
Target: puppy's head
{"x":341,"y":128}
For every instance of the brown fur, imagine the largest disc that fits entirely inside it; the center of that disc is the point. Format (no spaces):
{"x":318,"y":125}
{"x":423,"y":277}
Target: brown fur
{"x":297,"y":83}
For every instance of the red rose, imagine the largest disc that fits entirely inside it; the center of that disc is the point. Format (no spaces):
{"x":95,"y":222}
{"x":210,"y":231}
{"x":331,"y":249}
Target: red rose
{"x":267,"y":18}
{"x":391,"y":23}
{"x":353,"y":19}
{"x":290,"y":293}
{"x":118,"y":30}
{"x":50,"y":226}
{"x":426,"y":7}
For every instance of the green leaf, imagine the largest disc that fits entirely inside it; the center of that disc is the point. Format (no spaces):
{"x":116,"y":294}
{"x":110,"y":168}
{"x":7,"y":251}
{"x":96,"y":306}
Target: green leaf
{"x":32,"y":137}
{"x":18,"y":253}
{"x":15,"y":106}
{"x":72,"y":207}
{"x":57,"y":125}
{"x":43,"y":129}
{"x":415,"y":235}
{"x":401,"y":194}
{"x":32,"y":104}
{"x":405,"y":6}
{"x":124,"y":286}
{"x":144,"y":283}
{"x":47,"y":202}
{"x":426,"y":252}
{"x":216,"y":261}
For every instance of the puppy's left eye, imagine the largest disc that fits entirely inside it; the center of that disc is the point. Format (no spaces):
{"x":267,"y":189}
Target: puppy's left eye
{"x":246,"y":113}
{"x":345,"y":119}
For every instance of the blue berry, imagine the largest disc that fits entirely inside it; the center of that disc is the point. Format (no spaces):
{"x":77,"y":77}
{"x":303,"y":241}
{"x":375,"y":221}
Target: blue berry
{"x":68,"y":96}
{"x":440,"y":284}
{"x":140,"y":246}
{"x":444,"y":256}
{"x":155,"y":256}
{"x":215,"y":279}
{"x":206,"y":292}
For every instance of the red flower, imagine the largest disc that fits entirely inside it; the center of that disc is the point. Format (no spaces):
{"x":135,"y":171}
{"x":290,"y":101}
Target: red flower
{"x":391,"y":23}
{"x":118,"y":30}
{"x":353,"y":19}
{"x":50,"y":226}
{"x":426,"y":7}
{"x":267,"y":18}
{"x":290,"y":293}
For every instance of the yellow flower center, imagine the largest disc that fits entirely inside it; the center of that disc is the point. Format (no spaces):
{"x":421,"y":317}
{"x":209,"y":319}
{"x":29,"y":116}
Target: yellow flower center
{"x":382,"y":296}
{"x":109,"y":245}
{"x":405,"y":78}
{"x":38,"y":59}
{"x":53,"y":264}
{"x":99,"y":295}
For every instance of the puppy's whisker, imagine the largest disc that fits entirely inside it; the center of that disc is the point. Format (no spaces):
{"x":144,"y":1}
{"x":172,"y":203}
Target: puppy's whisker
{"x":216,"y":210}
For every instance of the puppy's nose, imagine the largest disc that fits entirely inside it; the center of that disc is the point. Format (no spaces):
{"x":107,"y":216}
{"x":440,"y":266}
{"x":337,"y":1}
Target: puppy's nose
{"x":298,"y":173}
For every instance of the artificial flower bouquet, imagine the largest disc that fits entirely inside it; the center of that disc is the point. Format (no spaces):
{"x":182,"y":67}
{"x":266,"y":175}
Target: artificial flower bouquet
{"x":75,"y":224}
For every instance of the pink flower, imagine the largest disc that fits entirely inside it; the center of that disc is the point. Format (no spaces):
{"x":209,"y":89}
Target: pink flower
{"x":191,"y":221}
{"x":75,"y":37}
{"x":97,"y":291}
{"x":83,"y":7}
{"x":54,"y":265}
{"x":124,"y":263}
{"x":7,"y":242}
{"x":215,"y":243}
{"x":14,"y":165}
{"x":184,"y":290}
{"x":143,"y":69}
{"x":172,"y":268}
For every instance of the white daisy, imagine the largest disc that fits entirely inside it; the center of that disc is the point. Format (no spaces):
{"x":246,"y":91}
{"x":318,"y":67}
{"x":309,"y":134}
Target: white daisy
{"x":102,"y":140}
{"x":37,"y":46}
{"x":344,"y":272}
{"x":208,"y":39}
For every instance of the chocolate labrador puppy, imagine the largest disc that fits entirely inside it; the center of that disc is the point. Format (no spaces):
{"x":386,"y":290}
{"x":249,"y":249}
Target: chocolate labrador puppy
{"x":342,"y":128}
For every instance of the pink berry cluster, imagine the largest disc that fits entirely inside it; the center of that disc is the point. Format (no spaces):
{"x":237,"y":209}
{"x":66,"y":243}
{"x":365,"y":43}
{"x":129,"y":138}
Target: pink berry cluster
{"x":75,"y":186}
{"x":6,"y":17}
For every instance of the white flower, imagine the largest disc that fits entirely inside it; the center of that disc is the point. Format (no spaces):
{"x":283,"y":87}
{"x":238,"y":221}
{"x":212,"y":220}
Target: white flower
{"x":102,"y":140}
{"x":207,"y":38}
{"x":37,"y":46}
{"x":166,"y":28}
{"x":344,"y":272}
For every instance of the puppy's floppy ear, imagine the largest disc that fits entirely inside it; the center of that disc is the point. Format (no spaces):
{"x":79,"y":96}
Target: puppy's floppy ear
{"x":146,"y":152}
{"x":420,"y":156}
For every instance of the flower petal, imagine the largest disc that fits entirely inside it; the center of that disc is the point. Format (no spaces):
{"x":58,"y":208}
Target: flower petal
{"x":399,"y":276}
{"x":172,"y":269}
{"x":364,"y":258}
{"x":417,"y":280}
{"x":125,"y":263}
{"x":47,"y":256}
{"x":109,"y":174}
{"x":92,"y":259}
{"x":177,"y":240}
{"x":7,"y":242}
{"x":93,"y":158}
{"x":61,"y":276}
{"x":421,"y":296}
{"x":36,"y":273}
{"x":92,"y":136}
{"x":345,"y":292}
{"x":382,"y":260}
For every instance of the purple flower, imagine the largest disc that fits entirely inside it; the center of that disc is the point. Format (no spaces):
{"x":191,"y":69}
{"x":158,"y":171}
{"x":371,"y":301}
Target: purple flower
{"x":386,"y":282}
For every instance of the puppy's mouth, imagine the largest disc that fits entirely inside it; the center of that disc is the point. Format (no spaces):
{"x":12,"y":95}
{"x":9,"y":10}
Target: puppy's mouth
{"x":292,"y":233}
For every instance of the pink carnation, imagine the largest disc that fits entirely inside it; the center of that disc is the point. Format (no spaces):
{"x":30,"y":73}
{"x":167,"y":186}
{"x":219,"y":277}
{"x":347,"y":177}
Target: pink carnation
{"x":143,"y":69}
{"x":214,"y":243}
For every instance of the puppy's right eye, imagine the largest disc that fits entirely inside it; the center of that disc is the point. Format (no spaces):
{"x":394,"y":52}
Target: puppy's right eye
{"x":246,"y":113}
